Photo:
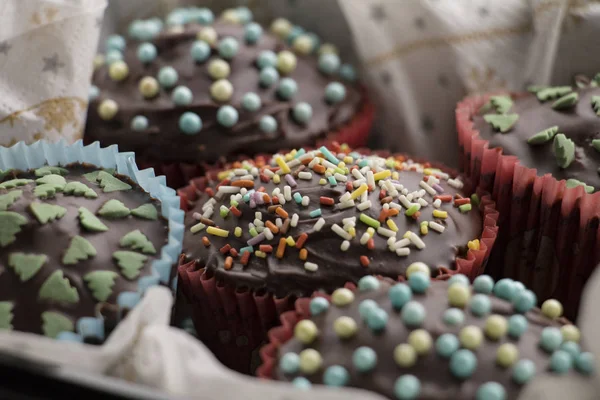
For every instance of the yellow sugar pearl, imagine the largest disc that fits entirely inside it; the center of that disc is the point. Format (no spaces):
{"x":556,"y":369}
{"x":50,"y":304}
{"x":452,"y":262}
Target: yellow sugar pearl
{"x":473,"y":244}
{"x":286,"y":61}
{"x":237,"y":231}
{"x":470,"y":337}
{"x":352,"y":232}
{"x":306,"y":331}
{"x":570,"y":333}
{"x":230,"y":15}
{"x":221,"y":90}
{"x":420,"y":340}
{"x":458,"y":295}
{"x":345,"y":327}
{"x":417,"y":267}
{"x":507,"y":354}
{"x":98,"y":61}
{"x":148,"y":87}
{"x":552,"y":308}
{"x":310,"y":361}
{"x":276,"y":178}
{"x":108,"y":109}
{"x":219,"y":69}
{"x":281,"y":27}
{"x":303,"y":44}
{"x":118,"y":71}
{"x":322,"y":181}
{"x":405,"y":355}
{"x":342,"y":297}
{"x":208,"y":34}
{"x":328,"y":48}
{"x":495,"y":327}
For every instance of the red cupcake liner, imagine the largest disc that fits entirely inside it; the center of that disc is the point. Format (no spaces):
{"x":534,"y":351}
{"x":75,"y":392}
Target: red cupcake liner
{"x":549,"y":234}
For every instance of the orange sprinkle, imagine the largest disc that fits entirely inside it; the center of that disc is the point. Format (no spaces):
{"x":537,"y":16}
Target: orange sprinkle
{"x":460,"y":202}
{"x":233,"y":252}
{"x":267,"y":198}
{"x":275,"y":200}
{"x":457,"y":196}
{"x":205,"y":241}
{"x":386,"y":199}
{"x":273,"y":208}
{"x":328,"y":201}
{"x":207,"y":222}
{"x":225,"y":249}
{"x":301,"y":240}
{"x":281,"y":212}
{"x":303,"y":254}
{"x":319,"y":169}
{"x":382,"y":216}
{"x":261,"y":189}
{"x":237,"y":164}
{"x":224,"y":182}
{"x":370,"y":244}
{"x":416,"y":215}
{"x":335,"y":147}
{"x":426,"y":178}
{"x":266,"y":248}
{"x":235,"y":211}
{"x":281,"y":248}
{"x":209,"y":191}
{"x":349,"y":186}
{"x":392,"y":212}
{"x":371,"y":188}
{"x":245,"y":258}
{"x":364,"y":261}
{"x":228,"y":263}
{"x":445,"y":198}
{"x":272,"y":227}
{"x":307,"y":161}
{"x":264,"y":178}
{"x":285,"y":226}
{"x":245,"y":183}
{"x":260,"y":161}
{"x":382,"y":194}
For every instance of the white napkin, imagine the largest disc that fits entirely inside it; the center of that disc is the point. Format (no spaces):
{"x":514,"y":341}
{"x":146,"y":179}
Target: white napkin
{"x":46,"y":53}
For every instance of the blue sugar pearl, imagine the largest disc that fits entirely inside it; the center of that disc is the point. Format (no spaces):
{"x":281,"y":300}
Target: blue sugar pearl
{"x":491,"y":391}
{"x":407,"y":387}
{"x":348,"y":72}
{"x":289,"y":363}
{"x":228,"y":47}
{"x":115,"y":42}
{"x":505,"y":289}
{"x":93,"y":92}
{"x":253,"y":32}
{"x":550,"y":339}
{"x":167,"y":77}
{"x":561,"y":362}
{"x":227,"y":116}
{"x":266,"y":58}
{"x":146,"y":52}
{"x":287,"y":88}
{"x":483,"y":284}
{"x":419,"y":282}
{"x":523,"y":371}
{"x":301,"y":383}
{"x":244,"y":14}
{"x":572,"y":348}
{"x":524,"y":301}
{"x":336,"y":375}
{"x":251,"y":102}
{"x":453,"y":317}
{"x":177,"y":18}
{"x":112,"y":56}
{"x":366,"y":307}
{"x":200,"y":51}
{"x":316,"y":41}
{"x":480,"y":305}
{"x":302,"y":112}
{"x":519,"y":286}
{"x":268,"y":124}
{"x":294,"y":33}
{"x":135,"y":28}
{"x":413,"y":313}
{"x":146,"y":30}
{"x":139,"y":123}
{"x":268,"y":76}
{"x":335,"y":92}
{"x":318,"y":305}
{"x":364,"y":359}
{"x":463,"y":363}
{"x":190,"y":123}
{"x":182,"y":96}
{"x":517,"y":325}
{"x":204,"y":16}
{"x":400,"y":294}
{"x":329,"y":63}
{"x":377,"y":320}
{"x":367,"y":283}
{"x":459,"y":278}
{"x":585,"y":363}
{"x":446,"y":345}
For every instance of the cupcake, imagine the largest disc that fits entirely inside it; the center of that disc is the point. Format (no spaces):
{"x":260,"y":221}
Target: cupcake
{"x":277,"y":229}
{"x":426,"y":340}
{"x":194,"y":91}
{"x":538,"y":154}
{"x":83,"y":233}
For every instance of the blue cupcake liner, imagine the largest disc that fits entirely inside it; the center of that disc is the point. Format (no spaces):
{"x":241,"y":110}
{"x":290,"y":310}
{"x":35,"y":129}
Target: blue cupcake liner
{"x":24,"y":157}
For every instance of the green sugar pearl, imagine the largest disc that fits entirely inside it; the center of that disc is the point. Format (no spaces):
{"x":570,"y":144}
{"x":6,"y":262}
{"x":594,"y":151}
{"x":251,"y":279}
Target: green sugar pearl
{"x":364,"y":218}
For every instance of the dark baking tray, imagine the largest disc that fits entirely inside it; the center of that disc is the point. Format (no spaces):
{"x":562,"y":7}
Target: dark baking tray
{"x":22,"y":379}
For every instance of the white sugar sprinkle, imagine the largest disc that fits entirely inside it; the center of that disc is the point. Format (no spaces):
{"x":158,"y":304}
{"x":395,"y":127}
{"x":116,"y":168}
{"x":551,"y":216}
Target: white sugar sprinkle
{"x":345,"y":245}
{"x":416,"y":240}
{"x":319,"y":224}
{"x":294,"y":221}
{"x":364,"y":205}
{"x":436,"y":227}
{"x":403,"y":251}
{"x":312,"y":267}
{"x":341,"y":232}
{"x":305,"y":175}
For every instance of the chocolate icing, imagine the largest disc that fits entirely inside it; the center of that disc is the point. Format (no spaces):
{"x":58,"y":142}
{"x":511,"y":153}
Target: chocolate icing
{"x":432,"y":370}
{"x":335,"y":267}
{"x":579,"y":123}
{"x":53,"y":238}
{"x":164,"y":142}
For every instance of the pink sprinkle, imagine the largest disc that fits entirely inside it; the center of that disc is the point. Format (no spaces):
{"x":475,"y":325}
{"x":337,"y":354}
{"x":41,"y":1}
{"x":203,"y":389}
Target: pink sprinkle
{"x":438,"y":188}
{"x":256,"y":239}
{"x":252,"y":203}
{"x":197,"y":216}
{"x":290,"y":180}
{"x":258,"y":198}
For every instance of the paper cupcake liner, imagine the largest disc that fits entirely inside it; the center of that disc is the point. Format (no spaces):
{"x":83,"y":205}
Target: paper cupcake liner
{"x":24,"y":157}
{"x":549,"y":237}
{"x":234,"y":323}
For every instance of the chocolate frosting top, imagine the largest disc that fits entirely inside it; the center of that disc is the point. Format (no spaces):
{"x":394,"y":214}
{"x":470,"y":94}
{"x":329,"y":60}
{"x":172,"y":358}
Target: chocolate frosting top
{"x":578,"y":122}
{"x":334,"y":266}
{"x":163,"y":140}
{"x":433,"y":370}
{"x":50,"y":230}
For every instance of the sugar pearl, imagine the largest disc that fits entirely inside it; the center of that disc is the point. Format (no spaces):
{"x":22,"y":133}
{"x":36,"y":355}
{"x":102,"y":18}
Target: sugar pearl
{"x":251,"y":102}
{"x":407,"y":387}
{"x":227,"y":116}
{"x":230,"y":15}
{"x":208,"y":34}
{"x":107,"y":109}
{"x":342,"y":297}
{"x":281,"y":27}
{"x":523,"y":371}
{"x":585,"y":363}
{"x":318,"y":305}
{"x":219,"y":69}
{"x":336,"y":376}
{"x":495,"y":327}
{"x":483,"y":284}
{"x":182,"y":96}
{"x":139,"y":123}
{"x":413,"y":314}
{"x":310,"y":361}
{"x":470,"y":337}
{"x":405,"y":355}
{"x":335,"y":92}
{"x":306,"y":331}
{"x":420,"y":340}
{"x":268,"y":124}
{"x":287,"y":88}
{"x":289,"y":363}
{"x":491,"y":391}
{"x":303,"y":44}
{"x":348,"y":72}
{"x":113,"y":56}
{"x":524,"y":301}
{"x":301,"y":383}
{"x":377,"y":319}
{"x":367,"y":283}
{"x":118,"y":71}
{"x":115,"y":42}
{"x":453,"y":317}
{"x":480,"y":304}
{"x":146,"y":52}
{"x":458,"y":295}
{"x":167,"y":77}
{"x":366,"y":307}
{"x":570,"y":333}
{"x":345,"y":327}
{"x":228,"y":47}
{"x":328,"y":48}
{"x":266,"y":58}
{"x":253,"y":32}
{"x":268,"y":76}
{"x":446,"y":345}
{"x":329,"y":63}
{"x":552,"y":308}
{"x":190,"y":123}
{"x":561,"y":362}
{"x":419,"y":282}
{"x":286,"y":62}
{"x":302,"y":112}
{"x":505,"y":289}
{"x":463,"y":363}
{"x":364,"y":359}
{"x":200,"y":51}
{"x":93,"y":92}
{"x":148,"y":87}
{"x":221,"y":90}
{"x":507,"y":354}
{"x":459,"y":278}
{"x":517,"y":325}
{"x":550,"y":339}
